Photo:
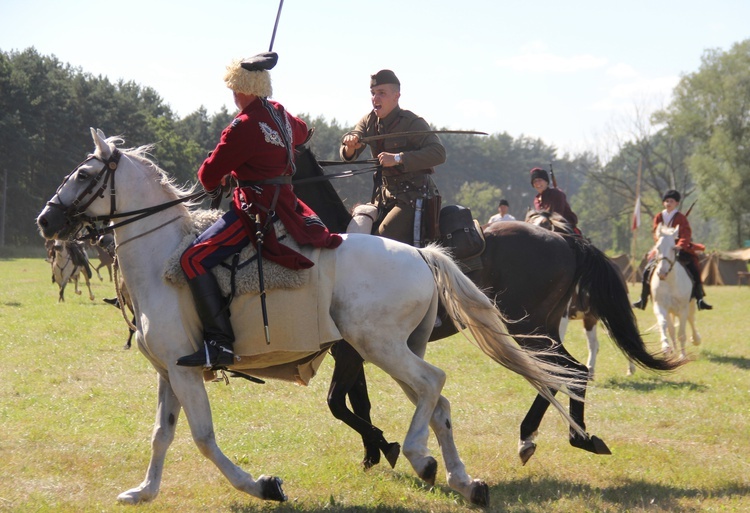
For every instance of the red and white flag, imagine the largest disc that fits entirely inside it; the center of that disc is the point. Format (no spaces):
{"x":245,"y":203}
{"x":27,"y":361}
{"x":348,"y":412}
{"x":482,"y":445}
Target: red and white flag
{"x":636,"y":215}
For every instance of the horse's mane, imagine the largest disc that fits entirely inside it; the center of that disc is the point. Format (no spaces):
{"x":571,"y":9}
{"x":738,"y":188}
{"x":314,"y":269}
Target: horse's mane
{"x":142,"y":155}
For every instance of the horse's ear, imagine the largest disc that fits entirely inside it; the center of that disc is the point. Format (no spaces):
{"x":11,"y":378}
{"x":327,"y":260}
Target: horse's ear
{"x":100,"y":142}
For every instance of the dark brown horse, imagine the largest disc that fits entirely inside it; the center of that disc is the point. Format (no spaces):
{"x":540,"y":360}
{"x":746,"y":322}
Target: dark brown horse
{"x":531,"y":273}
{"x":578,"y":309}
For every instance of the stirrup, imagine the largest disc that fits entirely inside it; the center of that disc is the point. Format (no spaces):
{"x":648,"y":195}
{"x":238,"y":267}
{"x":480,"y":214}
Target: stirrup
{"x":213,"y":356}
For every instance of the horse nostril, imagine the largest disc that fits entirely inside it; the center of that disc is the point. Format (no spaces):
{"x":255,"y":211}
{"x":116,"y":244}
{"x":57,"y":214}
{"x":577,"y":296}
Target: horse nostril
{"x":42,"y":222}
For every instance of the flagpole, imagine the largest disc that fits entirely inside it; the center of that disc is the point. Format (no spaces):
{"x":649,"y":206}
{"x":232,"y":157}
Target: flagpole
{"x":636,"y":222}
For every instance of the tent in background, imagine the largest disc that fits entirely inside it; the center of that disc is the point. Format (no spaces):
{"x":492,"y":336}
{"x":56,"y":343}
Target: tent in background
{"x":721,"y":267}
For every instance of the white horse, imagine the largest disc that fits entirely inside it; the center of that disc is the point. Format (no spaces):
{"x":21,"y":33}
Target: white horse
{"x":65,"y":269}
{"x":401,"y":308}
{"x":671,"y":289}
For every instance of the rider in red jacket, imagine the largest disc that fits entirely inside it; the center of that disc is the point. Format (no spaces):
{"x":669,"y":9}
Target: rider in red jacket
{"x":672,"y":217}
{"x":257,"y":150}
{"x":551,"y":199}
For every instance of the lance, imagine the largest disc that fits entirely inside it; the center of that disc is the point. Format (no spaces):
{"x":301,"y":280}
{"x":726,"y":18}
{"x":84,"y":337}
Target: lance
{"x":552,"y":176}
{"x":259,"y":229}
{"x":371,"y":138}
{"x":691,"y":208}
{"x":276,"y":25}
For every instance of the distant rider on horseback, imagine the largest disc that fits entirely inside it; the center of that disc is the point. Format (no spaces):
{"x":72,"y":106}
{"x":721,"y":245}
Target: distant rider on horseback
{"x":550,"y":199}
{"x":672,"y":217}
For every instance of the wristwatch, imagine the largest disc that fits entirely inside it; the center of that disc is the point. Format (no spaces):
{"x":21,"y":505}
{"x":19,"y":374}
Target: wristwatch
{"x":397,"y":158}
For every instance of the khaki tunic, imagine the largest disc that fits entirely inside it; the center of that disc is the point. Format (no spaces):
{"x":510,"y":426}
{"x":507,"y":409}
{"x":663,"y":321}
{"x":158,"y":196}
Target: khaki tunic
{"x":401,"y":185}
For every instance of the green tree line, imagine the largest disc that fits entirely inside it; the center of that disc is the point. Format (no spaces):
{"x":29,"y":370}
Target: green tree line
{"x":698,"y":144}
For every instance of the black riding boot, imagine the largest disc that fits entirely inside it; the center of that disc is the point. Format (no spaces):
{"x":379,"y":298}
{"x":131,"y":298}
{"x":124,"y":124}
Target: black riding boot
{"x":217,"y":328}
{"x":697,"y":286}
{"x":646,"y":290}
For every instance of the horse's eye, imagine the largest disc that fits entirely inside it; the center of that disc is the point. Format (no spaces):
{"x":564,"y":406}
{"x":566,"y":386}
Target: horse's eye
{"x":82,"y":175}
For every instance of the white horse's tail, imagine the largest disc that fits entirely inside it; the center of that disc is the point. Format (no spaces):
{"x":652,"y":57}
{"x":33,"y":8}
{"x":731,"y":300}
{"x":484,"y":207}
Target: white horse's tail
{"x":471,"y":309}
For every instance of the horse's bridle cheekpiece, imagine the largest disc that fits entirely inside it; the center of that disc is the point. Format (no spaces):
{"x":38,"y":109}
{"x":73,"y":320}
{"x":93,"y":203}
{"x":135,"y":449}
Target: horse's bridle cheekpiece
{"x":74,"y":213}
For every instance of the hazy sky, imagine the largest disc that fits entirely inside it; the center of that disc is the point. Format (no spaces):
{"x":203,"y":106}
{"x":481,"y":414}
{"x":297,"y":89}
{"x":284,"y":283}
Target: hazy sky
{"x":569,"y":72}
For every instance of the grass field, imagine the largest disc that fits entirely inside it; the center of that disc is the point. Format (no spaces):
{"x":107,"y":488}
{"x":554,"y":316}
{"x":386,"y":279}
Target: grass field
{"x":76,"y":414}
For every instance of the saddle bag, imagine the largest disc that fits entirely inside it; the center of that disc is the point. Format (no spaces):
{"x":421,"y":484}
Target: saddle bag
{"x":460,"y":233}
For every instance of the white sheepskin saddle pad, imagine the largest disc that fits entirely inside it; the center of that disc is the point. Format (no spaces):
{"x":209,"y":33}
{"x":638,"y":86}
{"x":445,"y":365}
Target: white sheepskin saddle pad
{"x":299,"y":308}
{"x":275,"y":276}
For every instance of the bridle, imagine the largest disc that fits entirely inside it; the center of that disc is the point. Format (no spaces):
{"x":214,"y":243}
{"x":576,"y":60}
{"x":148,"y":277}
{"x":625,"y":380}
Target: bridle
{"x":671,"y":262}
{"x":74,"y":213}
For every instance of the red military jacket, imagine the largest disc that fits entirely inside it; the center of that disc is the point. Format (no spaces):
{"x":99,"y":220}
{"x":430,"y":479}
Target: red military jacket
{"x":554,"y":200}
{"x":685,"y":242}
{"x":252,"y":148}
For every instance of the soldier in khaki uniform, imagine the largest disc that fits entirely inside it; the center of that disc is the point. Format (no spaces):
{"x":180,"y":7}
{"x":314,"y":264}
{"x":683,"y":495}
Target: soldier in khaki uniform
{"x":407,"y":198}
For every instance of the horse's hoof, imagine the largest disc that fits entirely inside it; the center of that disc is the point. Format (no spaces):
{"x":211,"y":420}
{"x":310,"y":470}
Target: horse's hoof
{"x":271,"y":489}
{"x":134,"y":496}
{"x":372,"y":457}
{"x":526,"y":450}
{"x":392,"y":453}
{"x":480,"y":494}
{"x":591,"y":444}
{"x":429,"y":472}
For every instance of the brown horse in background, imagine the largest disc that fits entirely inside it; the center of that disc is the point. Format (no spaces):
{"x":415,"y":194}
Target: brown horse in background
{"x":105,"y":252}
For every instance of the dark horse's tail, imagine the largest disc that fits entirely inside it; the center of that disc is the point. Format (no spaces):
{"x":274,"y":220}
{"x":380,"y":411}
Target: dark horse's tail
{"x":601,"y":281}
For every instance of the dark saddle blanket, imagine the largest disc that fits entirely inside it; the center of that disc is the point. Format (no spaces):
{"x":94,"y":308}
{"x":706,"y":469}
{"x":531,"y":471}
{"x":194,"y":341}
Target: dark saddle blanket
{"x":461,"y":233}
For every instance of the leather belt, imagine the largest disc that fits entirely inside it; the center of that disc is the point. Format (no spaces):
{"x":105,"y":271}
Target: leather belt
{"x":396,"y":179}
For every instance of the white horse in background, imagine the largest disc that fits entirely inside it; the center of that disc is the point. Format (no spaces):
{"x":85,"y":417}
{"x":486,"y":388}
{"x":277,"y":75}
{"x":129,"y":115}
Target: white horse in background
{"x":401,"y":309}
{"x":671,"y":290}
